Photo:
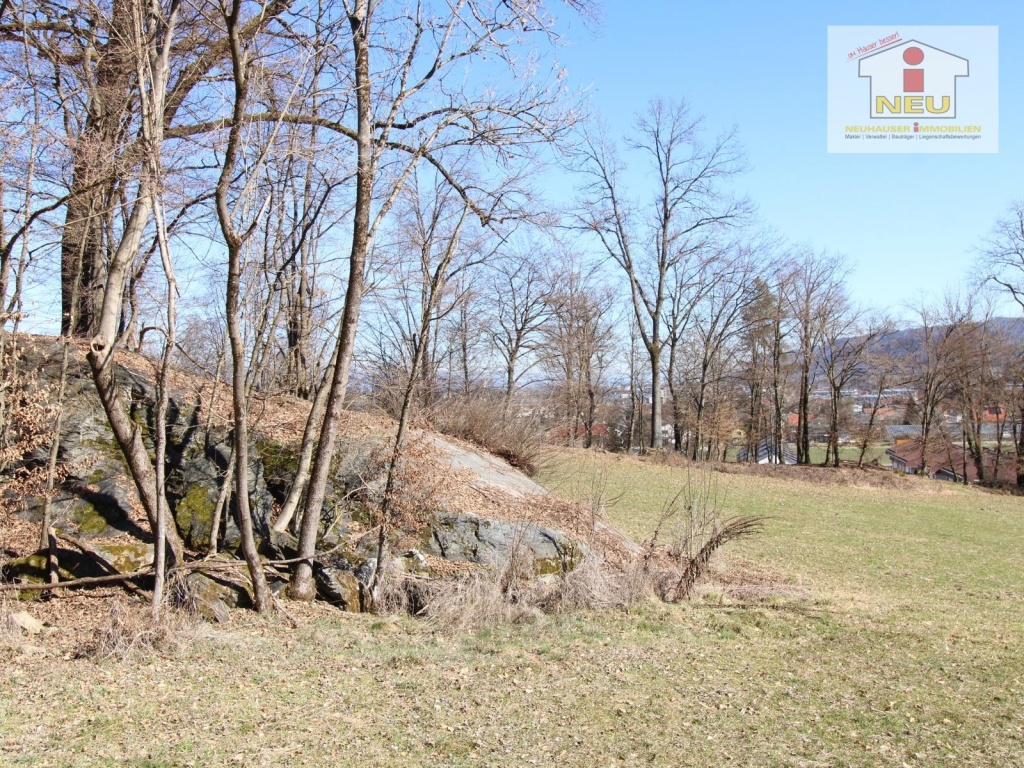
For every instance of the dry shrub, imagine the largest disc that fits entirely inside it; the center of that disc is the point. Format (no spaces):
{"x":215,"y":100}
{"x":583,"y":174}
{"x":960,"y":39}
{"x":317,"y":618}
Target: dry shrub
{"x":11,"y":637}
{"x":416,"y":482}
{"x":28,"y":413}
{"x":130,"y":633}
{"x":398,"y":592}
{"x":637,"y":582}
{"x":512,"y":593}
{"x":473,"y":601}
{"x":692,"y":524}
{"x":591,"y":585}
{"x":478,"y":419}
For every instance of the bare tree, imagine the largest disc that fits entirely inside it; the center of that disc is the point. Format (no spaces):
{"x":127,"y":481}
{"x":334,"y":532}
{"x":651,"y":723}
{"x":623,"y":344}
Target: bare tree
{"x":815,"y":286}
{"x":1015,"y":404}
{"x":90,"y":53}
{"x":434,"y":222}
{"x":520,"y":295}
{"x":1002,"y":264}
{"x":687,"y":211}
{"x":883,"y":369}
{"x":704,"y":374}
{"x":847,"y":339}
{"x":578,"y":341}
{"x":931,"y":368}
{"x":1002,"y":255}
{"x":978,"y":377}
{"x":398,"y":123}
{"x":755,"y":364}
{"x":148,"y":36}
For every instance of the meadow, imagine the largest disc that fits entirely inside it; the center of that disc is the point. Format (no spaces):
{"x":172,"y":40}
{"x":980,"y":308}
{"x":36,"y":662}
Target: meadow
{"x":894,"y":638}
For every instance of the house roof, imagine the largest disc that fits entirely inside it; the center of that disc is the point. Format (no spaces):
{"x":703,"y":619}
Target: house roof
{"x":764,"y":452}
{"x":901,"y":431}
{"x":946,"y":458}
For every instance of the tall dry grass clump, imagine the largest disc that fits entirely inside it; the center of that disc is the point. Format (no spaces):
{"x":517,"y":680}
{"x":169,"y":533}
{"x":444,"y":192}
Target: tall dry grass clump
{"x":129,"y":633}
{"x":508,"y":592}
{"x":689,"y":534}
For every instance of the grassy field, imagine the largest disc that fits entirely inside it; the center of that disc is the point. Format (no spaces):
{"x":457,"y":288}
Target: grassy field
{"x":875,"y":452}
{"x":907,"y":651}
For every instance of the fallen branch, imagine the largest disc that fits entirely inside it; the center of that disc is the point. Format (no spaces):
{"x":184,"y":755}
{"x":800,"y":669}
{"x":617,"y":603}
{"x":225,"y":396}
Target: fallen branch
{"x":99,"y":558}
{"x":83,"y":582}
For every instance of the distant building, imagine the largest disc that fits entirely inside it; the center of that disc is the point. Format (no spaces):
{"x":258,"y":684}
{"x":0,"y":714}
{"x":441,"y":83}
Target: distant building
{"x":766,"y":454}
{"x":947,"y":462}
{"x":899,"y":433}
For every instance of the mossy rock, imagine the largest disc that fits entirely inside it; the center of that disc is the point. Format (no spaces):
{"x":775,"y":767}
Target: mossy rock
{"x":213,"y":598}
{"x":31,"y":569}
{"x":125,"y":555}
{"x":193,"y":513}
{"x":279,"y":465}
{"x":337,"y":583}
{"x":99,"y":508}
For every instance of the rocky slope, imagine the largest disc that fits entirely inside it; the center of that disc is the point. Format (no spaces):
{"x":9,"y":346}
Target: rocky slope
{"x":456,"y":508}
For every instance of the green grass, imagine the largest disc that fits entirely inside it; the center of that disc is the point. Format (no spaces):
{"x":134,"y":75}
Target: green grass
{"x":852,"y":453}
{"x":846,"y":453}
{"x":908,"y":653}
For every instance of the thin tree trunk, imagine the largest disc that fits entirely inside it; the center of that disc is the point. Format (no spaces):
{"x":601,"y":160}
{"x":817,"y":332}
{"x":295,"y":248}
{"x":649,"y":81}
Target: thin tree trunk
{"x":871,"y":424}
{"x":235,"y":244}
{"x":302,"y":471}
{"x":656,"y":437}
{"x":301,"y":586}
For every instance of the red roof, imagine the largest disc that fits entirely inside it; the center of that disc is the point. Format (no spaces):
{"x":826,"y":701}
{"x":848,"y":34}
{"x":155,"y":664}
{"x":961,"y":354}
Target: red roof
{"x":993,"y":415}
{"x":944,"y":457}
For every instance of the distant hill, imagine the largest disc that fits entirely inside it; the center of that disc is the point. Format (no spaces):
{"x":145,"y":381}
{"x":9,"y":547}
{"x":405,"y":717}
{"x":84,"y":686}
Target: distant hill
{"x":908,"y":341}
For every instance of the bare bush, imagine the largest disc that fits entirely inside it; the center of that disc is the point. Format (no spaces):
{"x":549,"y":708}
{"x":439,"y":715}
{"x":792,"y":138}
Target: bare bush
{"x":27,"y":419}
{"x":697,"y":565}
{"x":130,"y":633}
{"x":695,"y":531}
{"x":512,"y":593}
{"x":637,"y":582}
{"x":591,"y":585}
{"x":516,"y":438}
{"x":474,"y":601}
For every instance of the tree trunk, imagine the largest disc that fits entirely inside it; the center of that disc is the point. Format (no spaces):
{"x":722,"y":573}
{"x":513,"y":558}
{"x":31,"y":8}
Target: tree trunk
{"x":301,"y":587}
{"x":656,"y":438}
{"x":95,"y":176}
{"x":309,"y":435}
{"x":234,"y":243}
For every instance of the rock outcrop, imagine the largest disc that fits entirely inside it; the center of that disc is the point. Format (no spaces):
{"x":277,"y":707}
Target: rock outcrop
{"x":96,"y":506}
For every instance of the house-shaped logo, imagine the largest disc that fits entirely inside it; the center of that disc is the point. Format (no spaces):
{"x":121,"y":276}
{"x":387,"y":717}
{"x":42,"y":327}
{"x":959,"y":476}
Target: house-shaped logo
{"x":913,"y":80}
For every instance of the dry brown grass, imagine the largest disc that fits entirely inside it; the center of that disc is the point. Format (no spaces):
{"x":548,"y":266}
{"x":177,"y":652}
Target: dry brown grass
{"x":12,"y":638}
{"x":486,"y":597}
{"x":129,"y":632}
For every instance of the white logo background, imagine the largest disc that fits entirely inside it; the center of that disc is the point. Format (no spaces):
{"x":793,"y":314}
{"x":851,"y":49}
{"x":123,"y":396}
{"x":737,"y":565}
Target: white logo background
{"x":854,"y":82}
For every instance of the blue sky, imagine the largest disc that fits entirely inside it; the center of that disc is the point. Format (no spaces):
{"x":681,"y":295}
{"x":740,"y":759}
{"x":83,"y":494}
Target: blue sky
{"x":908,"y":223}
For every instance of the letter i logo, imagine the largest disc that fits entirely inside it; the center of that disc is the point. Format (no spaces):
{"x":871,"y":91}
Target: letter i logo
{"x":913,"y":79}
{"x":917,"y":127}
